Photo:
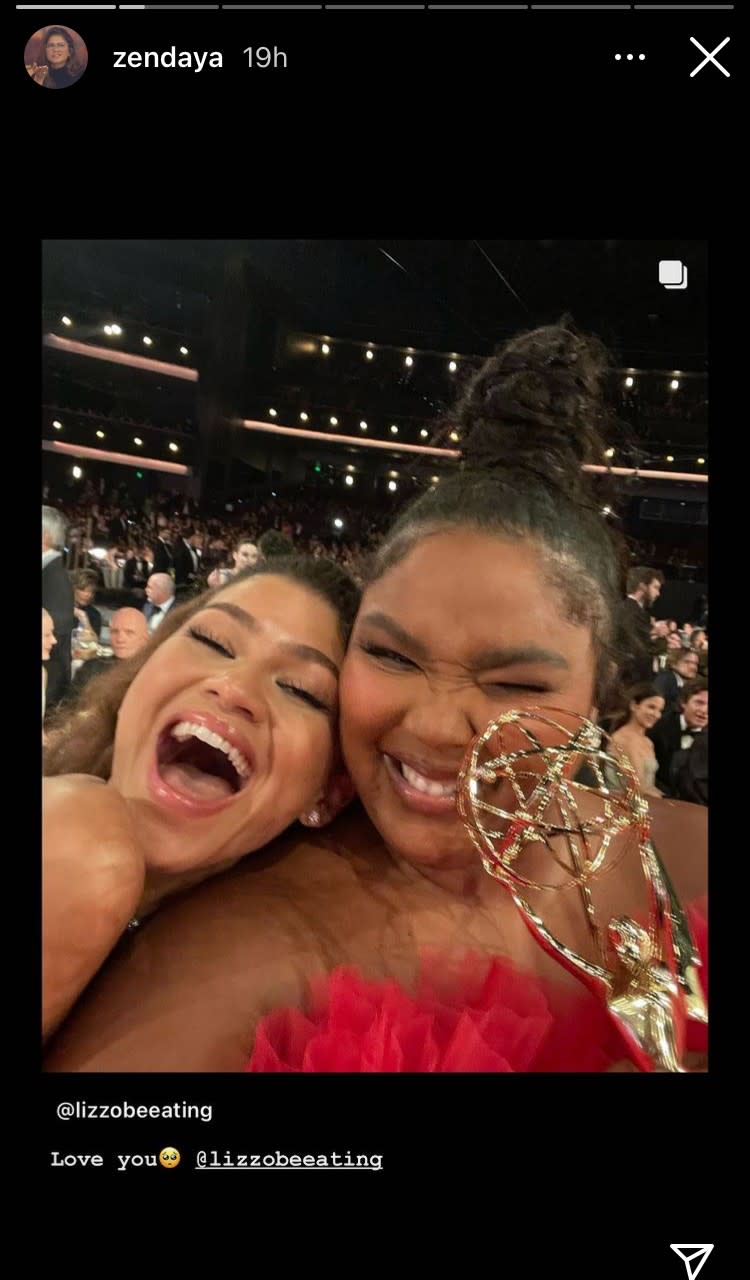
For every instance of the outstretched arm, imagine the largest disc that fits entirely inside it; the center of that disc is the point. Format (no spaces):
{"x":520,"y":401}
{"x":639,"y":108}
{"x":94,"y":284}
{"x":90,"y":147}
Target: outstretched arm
{"x":92,"y":883}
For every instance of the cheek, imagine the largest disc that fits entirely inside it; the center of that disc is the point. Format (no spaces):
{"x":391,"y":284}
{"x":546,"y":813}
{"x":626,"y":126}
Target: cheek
{"x":303,"y":758}
{"x":151,"y":688}
{"x":370,"y":704}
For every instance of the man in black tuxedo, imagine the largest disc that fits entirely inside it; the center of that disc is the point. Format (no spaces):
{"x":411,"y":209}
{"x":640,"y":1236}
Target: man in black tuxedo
{"x":138,"y":569}
{"x":160,"y":598}
{"x":162,"y":558}
{"x":644,"y":588}
{"x":683,"y":667}
{"x":57,"y":599}
{"x":186,"y":559}
{"x":677,"y":730}
{"x":690,"y":771}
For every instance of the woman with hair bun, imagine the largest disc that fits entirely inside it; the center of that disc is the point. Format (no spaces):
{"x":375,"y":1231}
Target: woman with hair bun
{"x":382,"y":945}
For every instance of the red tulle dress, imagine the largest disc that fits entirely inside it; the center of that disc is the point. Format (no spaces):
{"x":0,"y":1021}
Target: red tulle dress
{"x":477,"y":1015}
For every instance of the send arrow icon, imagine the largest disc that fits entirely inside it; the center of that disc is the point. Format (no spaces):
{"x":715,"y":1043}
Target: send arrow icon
{"x":693,"y":1255}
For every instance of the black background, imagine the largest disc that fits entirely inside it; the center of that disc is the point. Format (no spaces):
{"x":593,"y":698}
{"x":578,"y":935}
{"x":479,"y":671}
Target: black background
{"x":423,"y":123}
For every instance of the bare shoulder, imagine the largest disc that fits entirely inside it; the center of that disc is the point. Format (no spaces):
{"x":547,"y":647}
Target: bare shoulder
{"x":184,"y":992}
{"x":92,"y":879}
{"x":680,"y":834}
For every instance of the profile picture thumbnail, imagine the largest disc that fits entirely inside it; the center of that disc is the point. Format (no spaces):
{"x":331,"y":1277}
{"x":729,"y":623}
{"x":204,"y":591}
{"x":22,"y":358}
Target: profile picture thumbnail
{"x":56,"y":57}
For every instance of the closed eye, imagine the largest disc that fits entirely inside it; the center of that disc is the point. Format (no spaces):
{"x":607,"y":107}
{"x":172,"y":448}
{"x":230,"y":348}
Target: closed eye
{"x":297,"y":691}
{"x":203,"y":637}
{"x":521,"y":688}
{"x":387,"y":655}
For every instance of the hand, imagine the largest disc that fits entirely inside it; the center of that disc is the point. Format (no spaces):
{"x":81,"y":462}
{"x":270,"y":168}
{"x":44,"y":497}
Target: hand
{"x":93,"y":876}
{"x":37,"y":73}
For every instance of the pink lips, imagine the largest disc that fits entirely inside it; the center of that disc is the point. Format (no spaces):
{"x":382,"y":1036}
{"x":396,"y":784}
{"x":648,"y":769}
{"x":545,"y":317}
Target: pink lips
{"x":178,"y":801}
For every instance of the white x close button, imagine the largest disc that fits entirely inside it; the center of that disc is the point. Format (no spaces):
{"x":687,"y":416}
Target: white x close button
{"x":710,"y":57}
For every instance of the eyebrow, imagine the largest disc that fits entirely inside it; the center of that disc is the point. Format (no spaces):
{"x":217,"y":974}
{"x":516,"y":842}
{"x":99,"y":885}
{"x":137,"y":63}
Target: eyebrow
{"x":304,"y":651}
{"x":512,"y":656}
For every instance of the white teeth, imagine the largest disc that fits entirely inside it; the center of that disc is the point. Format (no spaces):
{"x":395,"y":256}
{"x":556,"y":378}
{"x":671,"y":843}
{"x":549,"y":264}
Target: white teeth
{"x":420,"y":783}
{"x":186,"y":729}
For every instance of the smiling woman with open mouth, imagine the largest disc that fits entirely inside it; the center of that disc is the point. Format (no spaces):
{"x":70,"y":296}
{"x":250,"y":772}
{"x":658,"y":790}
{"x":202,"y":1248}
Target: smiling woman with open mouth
{"x":211,"y":741}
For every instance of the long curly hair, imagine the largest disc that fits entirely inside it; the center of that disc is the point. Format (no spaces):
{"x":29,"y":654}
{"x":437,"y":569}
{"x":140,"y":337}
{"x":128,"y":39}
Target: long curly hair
{"x":81,"y":737}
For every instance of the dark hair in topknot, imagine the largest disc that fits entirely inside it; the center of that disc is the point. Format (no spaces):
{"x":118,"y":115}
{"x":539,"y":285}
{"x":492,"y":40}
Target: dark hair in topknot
{"x":528,"y":421}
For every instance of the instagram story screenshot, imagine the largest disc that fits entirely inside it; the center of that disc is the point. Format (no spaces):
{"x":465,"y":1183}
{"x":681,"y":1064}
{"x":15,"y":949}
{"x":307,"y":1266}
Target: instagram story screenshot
{"x":375,"y":602}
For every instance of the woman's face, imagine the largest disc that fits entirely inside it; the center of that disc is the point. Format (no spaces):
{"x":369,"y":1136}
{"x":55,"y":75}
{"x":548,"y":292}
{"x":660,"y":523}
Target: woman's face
{"x":647,"y":712}
{"x":57,"y":50}
{"x":227,"y":733}
{"x":464,"y":628}
{"x":48,"y":635}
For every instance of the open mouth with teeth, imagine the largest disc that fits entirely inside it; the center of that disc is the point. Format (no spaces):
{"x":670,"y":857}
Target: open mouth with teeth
{"x":200,"y":764}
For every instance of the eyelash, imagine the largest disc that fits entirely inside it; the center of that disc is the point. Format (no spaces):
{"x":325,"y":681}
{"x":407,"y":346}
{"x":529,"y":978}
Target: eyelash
{"x":375,"y":651}
{"x":206,"y":638}
{"x":304,"y":694}
{"x":391,"y":655}
{"x":297,"y":691}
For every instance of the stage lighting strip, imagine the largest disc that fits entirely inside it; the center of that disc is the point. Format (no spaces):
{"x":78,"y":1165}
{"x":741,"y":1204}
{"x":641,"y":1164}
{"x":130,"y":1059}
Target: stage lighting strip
{"x":71,"y":347}
{"x":121,"y":459}
{"x":322,"y":438}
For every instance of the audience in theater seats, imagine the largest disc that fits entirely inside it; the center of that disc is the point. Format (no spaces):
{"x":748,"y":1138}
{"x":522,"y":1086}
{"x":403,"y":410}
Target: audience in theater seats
{"x":159,"y":599}
{"x":85,"y":583}
{"x":645,"y":708}
{"x":128,"y":632}
{"x":678,"y":729}
{"x":57,"y":599}
{"x":682,"y":665}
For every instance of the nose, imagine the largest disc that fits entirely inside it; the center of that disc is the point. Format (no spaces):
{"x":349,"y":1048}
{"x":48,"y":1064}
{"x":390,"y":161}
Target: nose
{"x":443,"y":721}
{"x":237,"y":697}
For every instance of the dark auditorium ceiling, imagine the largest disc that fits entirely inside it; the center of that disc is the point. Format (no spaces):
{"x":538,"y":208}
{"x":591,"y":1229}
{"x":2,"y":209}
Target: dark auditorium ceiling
{"x":443,"y":295}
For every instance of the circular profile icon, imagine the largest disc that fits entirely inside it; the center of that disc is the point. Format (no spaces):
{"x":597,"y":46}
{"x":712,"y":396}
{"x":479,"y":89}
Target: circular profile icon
{"x":55,"y":57}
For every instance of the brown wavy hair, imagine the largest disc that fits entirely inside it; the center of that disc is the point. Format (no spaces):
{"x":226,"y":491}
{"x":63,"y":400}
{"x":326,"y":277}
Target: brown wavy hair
{"x":80,"y":738}
{"x":74,"y":65}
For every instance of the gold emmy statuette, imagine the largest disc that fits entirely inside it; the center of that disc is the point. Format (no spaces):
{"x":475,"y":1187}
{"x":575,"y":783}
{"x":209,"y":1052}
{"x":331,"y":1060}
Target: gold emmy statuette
{"x":551,"y":812}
